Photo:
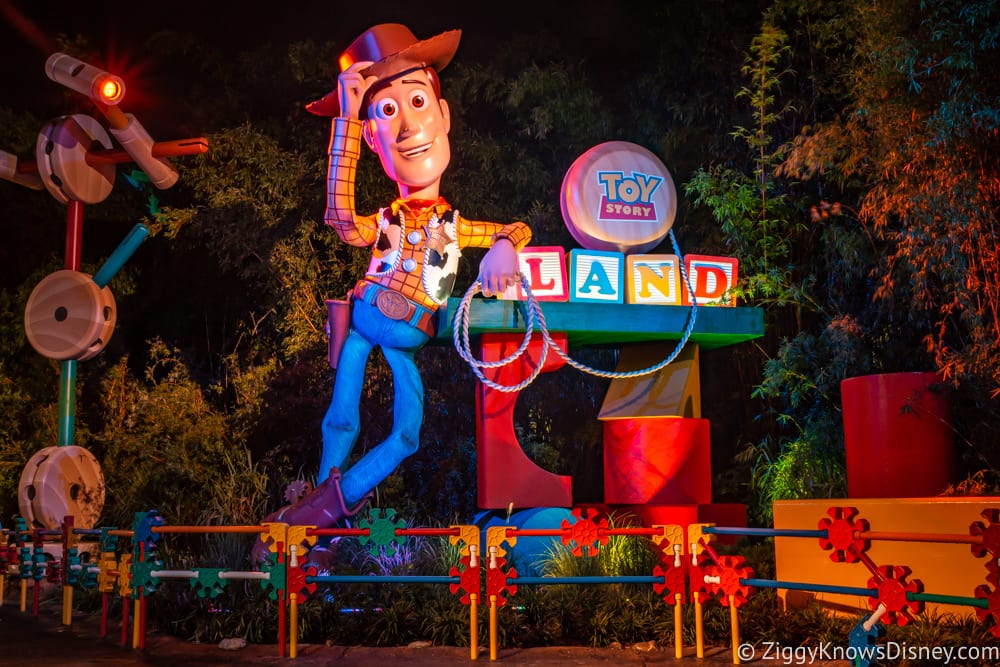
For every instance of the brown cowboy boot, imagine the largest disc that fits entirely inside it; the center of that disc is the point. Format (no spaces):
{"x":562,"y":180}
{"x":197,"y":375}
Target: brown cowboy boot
{"x":322,"y":508}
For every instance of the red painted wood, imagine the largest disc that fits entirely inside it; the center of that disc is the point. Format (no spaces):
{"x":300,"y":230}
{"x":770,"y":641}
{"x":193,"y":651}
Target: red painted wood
{"x":657,"y":460}
{"x":506,"y":474}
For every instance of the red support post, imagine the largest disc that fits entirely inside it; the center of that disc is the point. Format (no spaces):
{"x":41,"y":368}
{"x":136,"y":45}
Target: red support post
{"x":506,"y":474}
{"x":74,"y":234}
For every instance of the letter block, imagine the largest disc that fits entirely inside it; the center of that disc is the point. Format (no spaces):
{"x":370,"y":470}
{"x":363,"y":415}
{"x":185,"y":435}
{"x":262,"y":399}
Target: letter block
{"x":596,"y":275}
{"x":545,"y":267}
{"x":711,"y":277}
{"x":653,"y":279}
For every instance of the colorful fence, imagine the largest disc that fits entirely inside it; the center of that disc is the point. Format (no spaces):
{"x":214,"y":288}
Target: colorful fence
{"x":136,"y":571}
{"x":690,"y":570}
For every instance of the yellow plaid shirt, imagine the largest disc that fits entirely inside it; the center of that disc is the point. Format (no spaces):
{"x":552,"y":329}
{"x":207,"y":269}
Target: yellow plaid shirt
{"x":403,"y":235}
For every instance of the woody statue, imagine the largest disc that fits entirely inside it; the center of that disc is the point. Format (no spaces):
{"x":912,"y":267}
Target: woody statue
{"x":388,"y":94}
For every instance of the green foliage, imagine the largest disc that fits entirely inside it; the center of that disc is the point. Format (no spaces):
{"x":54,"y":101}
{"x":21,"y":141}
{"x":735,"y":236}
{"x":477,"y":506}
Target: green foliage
{"x":623,"y":555}
{"x":554,"y":112}
{"x":762,"y":228}
{"x":17,"y":442}
{"x":164,"y":447}
{"x":769,"y":236}
{"x":669,"y":109}
{"x":250,"y":216}
{"x":598,"y":615}
{"x":917,"y":142}
{"x":802,"y":382}
{"x":241,"y":611}
{"x":762,"y":231}
{"x":445,"y":623}
{"x":767,"y":52}
{"x":918,"y":138}
{"x":896,"y":273}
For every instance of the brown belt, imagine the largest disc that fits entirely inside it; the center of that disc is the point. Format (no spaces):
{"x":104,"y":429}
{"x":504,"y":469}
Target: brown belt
{"x":395,"y":306}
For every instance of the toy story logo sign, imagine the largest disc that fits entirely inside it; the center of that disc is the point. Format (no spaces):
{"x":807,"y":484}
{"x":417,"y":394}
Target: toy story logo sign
{"x":618,"y":201}
{"x":627,"y":198}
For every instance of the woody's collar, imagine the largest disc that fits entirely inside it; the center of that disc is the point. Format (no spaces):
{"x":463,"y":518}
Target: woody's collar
{"x":418,"y":206}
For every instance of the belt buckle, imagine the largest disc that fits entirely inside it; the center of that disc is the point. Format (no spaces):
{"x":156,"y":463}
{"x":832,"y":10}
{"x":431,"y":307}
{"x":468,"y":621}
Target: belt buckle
{"x":392,"y":304}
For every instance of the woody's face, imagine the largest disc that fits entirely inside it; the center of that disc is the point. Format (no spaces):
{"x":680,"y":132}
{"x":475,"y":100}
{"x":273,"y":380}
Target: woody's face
{"x":408,"y":128}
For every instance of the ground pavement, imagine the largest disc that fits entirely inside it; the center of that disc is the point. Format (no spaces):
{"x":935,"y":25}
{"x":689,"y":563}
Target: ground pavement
{"x":27,"y":640}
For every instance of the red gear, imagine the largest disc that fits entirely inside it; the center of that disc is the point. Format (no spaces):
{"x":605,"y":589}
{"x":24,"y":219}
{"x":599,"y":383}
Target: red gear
{"x":585,"y":532}
{"x":992,"y":596}
{"x":469,"y":581}
{"x":892,"y":589}
{"x":730,"y":570}
{"x":674,"y":580}
{"x":841,"y":529}
{"x":295,"y":580}
{"x":496,"y":582}
{"x":990,"y":533}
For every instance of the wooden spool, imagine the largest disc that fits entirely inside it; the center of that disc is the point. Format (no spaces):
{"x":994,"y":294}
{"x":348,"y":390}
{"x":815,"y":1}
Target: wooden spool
{"x":58,"y":482}
{"x":69,"y":317}
{"x":61,"y":153}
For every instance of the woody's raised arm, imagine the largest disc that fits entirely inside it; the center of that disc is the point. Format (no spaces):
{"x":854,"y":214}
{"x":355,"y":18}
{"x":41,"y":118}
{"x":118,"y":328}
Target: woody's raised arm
{"x":345,"y":150}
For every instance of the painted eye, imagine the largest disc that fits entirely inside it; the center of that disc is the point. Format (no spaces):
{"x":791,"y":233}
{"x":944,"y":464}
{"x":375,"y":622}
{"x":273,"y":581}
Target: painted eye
{"x":418,"y":100}
{"x":385,"y":108}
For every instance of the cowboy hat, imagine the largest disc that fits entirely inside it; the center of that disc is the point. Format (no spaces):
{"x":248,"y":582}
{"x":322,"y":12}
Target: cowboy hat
{"x":392,"y":48}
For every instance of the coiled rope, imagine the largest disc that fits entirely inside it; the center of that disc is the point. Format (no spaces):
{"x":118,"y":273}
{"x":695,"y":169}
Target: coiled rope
{"x":535,"y":317}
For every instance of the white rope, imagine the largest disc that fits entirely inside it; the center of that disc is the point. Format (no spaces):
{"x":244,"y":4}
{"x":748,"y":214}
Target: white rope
{"x":460,"y":335}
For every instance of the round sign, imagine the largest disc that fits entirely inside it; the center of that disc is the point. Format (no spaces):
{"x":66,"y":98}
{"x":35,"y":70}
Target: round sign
{"x":69,"y":317}
{"x":620,"y":197}
{"x":59,"y":482}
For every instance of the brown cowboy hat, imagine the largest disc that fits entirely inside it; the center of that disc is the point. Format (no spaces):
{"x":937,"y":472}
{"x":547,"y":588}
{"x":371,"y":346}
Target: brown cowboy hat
{"x":392,"y":48}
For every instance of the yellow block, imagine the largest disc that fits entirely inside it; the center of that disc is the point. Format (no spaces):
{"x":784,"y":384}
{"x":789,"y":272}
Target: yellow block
{"x":653,"y":279}
{"x":943,"y":568}
{"x":673,"y":391}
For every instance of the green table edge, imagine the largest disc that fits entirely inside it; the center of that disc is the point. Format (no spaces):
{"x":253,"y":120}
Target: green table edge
{"x":602,"y":324}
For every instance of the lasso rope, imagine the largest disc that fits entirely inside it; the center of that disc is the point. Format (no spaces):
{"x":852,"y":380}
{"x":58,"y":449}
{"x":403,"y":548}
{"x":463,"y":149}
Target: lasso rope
{"x":460,"y":335}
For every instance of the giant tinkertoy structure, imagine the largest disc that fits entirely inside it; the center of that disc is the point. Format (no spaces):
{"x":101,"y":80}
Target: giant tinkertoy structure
{"x":71,"y":315}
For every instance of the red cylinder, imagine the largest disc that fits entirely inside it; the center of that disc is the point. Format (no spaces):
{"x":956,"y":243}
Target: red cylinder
{"x":657,"y":460}
{"x":898,"y":435}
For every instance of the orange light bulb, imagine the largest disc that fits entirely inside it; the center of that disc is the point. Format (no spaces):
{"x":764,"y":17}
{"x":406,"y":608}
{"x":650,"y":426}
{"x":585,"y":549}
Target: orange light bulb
{"x":111,"y":91}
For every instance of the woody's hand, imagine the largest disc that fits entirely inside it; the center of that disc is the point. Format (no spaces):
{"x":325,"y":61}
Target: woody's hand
{"x":499,"y":268}
{"x":351,"y":88}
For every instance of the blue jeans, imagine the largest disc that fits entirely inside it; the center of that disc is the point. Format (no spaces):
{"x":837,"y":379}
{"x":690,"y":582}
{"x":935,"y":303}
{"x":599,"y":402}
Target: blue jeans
{"x":399,"y":342}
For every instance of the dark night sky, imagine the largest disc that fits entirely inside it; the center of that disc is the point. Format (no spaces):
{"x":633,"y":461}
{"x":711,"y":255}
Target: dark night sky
{"x":28,"y":27}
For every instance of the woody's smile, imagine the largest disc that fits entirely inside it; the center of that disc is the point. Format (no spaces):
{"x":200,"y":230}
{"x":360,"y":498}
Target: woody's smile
{"x":416,"y":151}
